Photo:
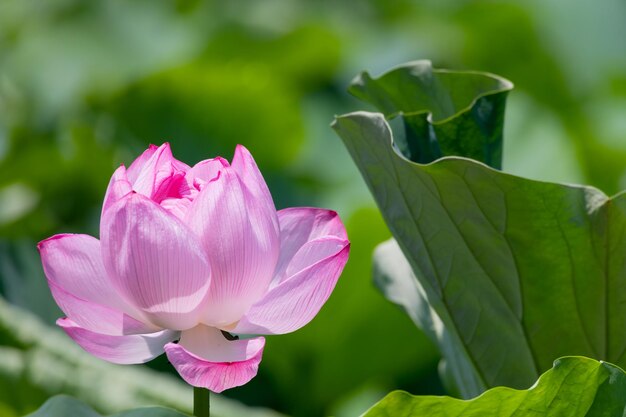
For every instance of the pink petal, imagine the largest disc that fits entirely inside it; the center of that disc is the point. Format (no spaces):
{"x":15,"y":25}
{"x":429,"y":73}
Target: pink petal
{"x":138,"y":164}
{"x":137,"y":348}
{"x":74,"y":264}
{"x":204,"y":358}
{"x":300,"y":225}
{"x":195,"y":179}
{"x":239,"y":234}
{"x":313,"y":252}
{"x":177,"y":206}
{"x":157,"y":174}
{"x":297,"y":298}
{"x":249,"y":174}
{"x":96,"y":317}
{"x":119,"y":186}
{"x":180,"y":166}
{"x":206,"y":170}
{"x":155,"y":262}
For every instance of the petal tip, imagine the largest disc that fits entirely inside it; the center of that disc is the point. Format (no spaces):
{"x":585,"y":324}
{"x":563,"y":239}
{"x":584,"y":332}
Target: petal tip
{"x":223,"y":161}
{"x":44,"y":243}
{"x":63,"y":322}
{"x":241,"y":148}
{"x":162,"y":146}
{"x":241,"y":152}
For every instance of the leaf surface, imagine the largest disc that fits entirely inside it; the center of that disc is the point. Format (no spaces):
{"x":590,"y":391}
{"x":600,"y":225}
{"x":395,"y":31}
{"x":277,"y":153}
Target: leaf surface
{"x":574,"y":387}
{"x":515,"y":273}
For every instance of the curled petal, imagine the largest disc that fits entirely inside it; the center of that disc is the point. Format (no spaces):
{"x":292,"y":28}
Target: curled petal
{"x":300,"y":225}
{"x":297,"y":298}
{"x":137,"y":348}
{"x":313,"y":252}
{"x":239,"y":235}
{"x":155,"y":262}
{"x":206,"y":171}
{"x":205,"y":358}
{"x":308,"y":223}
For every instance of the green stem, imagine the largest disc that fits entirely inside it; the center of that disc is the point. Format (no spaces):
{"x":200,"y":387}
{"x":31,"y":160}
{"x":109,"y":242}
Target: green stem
{"x":201,"y":402}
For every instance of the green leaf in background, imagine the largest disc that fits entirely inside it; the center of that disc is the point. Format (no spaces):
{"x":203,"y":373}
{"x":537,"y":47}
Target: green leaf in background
{"x":64,"y":406}
{"x":574,"y":387}
{"x":395,"y":279}
{"x":516,"y":272}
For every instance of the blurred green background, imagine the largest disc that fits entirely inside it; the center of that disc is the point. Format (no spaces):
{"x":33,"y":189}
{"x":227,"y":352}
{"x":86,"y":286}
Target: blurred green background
{"x":85,"y":86}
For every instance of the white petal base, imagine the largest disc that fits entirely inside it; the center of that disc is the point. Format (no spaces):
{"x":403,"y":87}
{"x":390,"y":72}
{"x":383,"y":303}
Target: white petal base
{"x":205,"y":358}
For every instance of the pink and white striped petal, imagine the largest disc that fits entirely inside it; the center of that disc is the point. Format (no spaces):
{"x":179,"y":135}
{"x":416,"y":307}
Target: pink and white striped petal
{"x":96,"y":317}
{"x":119,"y":186}
{"x":137,"y":348}
{"x":240,"y":238}
{"x":298,"y":297}
{"x":248,"y":172}
{"x":74,"y":263}
{"x":155,"y":262}
{"x":177,"y":206}
{"x":300,"y":225}
{"x":137,"y":166}
{"x":205,"y":358}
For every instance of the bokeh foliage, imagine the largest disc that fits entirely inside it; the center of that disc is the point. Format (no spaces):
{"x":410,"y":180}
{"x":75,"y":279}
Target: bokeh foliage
{"x":87,"y":85}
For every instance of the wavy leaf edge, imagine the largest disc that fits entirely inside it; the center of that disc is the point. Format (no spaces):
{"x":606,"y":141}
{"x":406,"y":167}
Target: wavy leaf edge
{"x":449,"y":159}
{"x":364,"y":76}
{"x":561,"y":365}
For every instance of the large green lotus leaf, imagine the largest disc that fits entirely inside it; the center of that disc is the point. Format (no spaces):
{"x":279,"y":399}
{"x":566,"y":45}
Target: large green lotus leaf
{"x":395,"y":279}
{"x":516,"y":273}
{"x":574,"y":387}
{"x":63,"y":406}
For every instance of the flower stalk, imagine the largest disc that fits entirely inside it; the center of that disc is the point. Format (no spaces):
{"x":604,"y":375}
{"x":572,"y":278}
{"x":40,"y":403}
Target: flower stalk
{"x":201,"y":402}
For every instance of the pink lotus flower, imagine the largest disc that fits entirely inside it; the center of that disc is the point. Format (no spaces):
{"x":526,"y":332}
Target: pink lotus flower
{"x":187,"y":257}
